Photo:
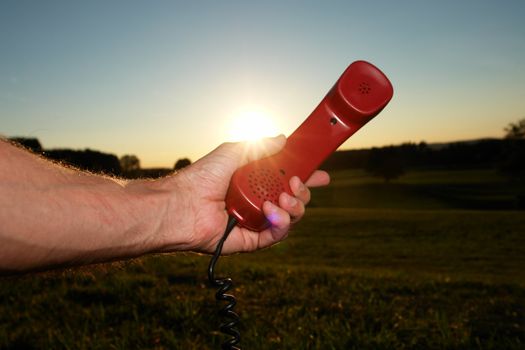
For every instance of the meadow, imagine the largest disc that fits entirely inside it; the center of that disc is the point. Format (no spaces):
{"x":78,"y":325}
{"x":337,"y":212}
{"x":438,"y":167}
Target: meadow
{"x":434,"y":260}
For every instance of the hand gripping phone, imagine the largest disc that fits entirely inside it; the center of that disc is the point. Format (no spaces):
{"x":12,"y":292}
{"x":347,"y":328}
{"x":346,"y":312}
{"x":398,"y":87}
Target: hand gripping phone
{"x":358,"y":96}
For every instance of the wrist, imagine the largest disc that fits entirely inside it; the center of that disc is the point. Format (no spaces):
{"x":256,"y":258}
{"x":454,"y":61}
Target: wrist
{"x":164,"y":216}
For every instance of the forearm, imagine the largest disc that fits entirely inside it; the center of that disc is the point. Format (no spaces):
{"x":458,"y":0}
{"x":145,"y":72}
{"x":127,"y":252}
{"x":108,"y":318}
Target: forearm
{"x":54,"y":216}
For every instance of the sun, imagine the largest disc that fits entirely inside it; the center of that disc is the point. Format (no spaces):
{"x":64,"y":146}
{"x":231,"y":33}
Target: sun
{"x":251,"y":125}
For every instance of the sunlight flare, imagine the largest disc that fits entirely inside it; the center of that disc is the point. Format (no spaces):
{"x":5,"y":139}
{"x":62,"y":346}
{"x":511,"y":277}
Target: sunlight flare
{"x":251,"y":124}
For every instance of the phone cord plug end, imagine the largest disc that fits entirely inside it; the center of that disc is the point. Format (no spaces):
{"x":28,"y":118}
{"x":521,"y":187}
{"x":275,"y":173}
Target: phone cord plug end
{"x":231,"y":319}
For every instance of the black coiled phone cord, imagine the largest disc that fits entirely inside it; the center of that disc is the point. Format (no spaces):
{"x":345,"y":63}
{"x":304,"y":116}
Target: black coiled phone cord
{"x":230,"y":318}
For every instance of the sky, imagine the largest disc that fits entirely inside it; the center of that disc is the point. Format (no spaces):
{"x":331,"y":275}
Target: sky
{"x":170,"y":79}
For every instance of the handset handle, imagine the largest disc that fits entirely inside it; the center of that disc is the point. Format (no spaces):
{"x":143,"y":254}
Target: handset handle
{"x":360,"y":94}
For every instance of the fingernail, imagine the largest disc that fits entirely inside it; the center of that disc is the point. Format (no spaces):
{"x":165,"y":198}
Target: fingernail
{"x":273,"y":217}
{"x":292,"y":201}
{"x":302,"y":186}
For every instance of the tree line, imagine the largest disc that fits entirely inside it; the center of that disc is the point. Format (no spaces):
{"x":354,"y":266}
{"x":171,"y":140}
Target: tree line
{"x":127,"y":166}
{"x":388,"y":162}
{"x":391,"y":161}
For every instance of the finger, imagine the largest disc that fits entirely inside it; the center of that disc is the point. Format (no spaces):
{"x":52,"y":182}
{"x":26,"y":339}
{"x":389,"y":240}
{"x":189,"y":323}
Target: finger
{"x":292,"y":205}
{"x":318,"y":178}
{"x":241,"y":240}
{"x":244,"y":240}
{"x":280,"y":223}
{"x":300,"y":190}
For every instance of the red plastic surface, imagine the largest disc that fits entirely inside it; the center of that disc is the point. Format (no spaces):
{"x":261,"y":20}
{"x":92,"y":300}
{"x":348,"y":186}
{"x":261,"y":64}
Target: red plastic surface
{"x":358,"y":96}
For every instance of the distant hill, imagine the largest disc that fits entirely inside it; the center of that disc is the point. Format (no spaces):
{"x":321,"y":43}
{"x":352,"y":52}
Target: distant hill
{"x":441,"y":145}
{"x":482,"y":153}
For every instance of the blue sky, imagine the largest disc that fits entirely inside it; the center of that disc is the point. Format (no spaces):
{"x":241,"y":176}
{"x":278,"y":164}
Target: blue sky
{"x":163,"y":79}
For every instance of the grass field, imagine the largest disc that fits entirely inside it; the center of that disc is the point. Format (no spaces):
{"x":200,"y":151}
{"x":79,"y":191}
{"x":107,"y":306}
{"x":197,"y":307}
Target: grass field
{"x":437,"y":189}
{"x":407,"y":265}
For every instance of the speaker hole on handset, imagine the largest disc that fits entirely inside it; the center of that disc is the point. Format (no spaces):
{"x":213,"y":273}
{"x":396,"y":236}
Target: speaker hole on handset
{"x":333,"y":121}
{"x":364,"y":88}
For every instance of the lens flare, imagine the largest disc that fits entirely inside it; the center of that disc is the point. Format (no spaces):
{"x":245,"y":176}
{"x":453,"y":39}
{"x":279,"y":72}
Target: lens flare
{"x":251,"y":125}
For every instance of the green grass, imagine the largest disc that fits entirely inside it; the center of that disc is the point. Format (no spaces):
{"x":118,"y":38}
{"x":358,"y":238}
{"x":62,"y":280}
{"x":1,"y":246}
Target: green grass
{"x":347,"y":278}
{"x":431,"y":189}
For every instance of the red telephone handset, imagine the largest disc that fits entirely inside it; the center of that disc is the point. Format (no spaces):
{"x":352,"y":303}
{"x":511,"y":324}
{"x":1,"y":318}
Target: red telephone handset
{"x":358,"y":96}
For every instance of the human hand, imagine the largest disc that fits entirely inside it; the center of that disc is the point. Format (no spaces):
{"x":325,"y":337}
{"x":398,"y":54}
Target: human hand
{"x":65,"y":217}
{"x":205,"y":183}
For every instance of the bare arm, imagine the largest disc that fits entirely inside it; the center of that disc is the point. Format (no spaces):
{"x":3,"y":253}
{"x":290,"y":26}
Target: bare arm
{"x":51,"y":215}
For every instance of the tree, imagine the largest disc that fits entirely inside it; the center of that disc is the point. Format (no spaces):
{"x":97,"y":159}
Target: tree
{"x":181,"y":163}
{"x":129,"y":162}
{"x":515,"y":130}
{"x":87,"y":159}
{"x":30,"y":143}
{"x":130,"y":165}
{"x":386,"y":162}
{"x":513,"y":164}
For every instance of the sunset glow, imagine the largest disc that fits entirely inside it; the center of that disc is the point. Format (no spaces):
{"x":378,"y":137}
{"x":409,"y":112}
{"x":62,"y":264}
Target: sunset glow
{"x":251,"y":125}
{"x":176,"y":79}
